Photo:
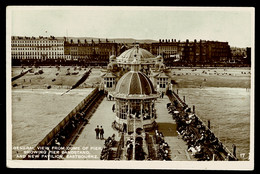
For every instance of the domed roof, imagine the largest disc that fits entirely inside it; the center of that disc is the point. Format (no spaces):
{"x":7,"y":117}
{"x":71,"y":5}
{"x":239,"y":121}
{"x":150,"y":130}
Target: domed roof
{"x":134,"y":83}
{"x":142,"y":55}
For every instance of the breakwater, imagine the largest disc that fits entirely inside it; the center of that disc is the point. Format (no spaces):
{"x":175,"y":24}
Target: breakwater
{"x":20,"y":75}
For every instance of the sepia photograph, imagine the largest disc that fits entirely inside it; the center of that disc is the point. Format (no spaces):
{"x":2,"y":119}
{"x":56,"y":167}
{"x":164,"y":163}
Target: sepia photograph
{"x":127,"y":87}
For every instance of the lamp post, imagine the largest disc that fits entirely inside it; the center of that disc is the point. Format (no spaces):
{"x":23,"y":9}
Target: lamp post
{"x":134,"y":140}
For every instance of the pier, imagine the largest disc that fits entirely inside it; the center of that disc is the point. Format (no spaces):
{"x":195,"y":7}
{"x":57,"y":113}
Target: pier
{"x":97,"y":111}
{"x":183,"y":114}
{"x":117,"y":150}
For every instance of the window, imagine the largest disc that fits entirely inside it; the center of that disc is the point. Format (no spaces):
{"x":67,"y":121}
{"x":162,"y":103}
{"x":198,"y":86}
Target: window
{"x":109,"y":82}
{"x":122,"y":109}
{"x":163,"y":82}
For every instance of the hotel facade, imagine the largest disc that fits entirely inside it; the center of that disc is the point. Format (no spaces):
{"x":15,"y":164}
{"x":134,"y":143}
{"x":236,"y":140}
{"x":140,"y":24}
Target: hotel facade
{"x":201,"y":51}
{"x":40,"y":48}
{"x":60,"y":50}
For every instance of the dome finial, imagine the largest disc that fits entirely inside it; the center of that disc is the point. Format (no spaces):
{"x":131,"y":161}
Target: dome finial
{"x":135,"y":64}
{"x":136,"y":45}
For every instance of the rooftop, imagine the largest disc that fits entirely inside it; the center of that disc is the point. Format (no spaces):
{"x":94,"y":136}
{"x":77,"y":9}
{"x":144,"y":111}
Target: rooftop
{"x":134,"y":83}
{"x":140,"y":54}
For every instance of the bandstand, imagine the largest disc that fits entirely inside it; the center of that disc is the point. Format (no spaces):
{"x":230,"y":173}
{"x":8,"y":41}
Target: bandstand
{"x":135,"y":80}
{"x":135,"y":102}
{"x":135,"y":110}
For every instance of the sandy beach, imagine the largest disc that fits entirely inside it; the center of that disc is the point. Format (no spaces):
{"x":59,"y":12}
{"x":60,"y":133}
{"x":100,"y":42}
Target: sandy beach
{"x":55,"y":78}
{"x":228,"y":77}
{"x":185,"y":77}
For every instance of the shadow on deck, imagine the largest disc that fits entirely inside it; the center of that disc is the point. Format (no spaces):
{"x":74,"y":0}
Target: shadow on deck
{"x":168,"y":129}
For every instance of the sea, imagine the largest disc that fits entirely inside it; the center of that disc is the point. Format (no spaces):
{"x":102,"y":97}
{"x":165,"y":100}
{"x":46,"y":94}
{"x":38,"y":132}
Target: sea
{"x":228,"y":110}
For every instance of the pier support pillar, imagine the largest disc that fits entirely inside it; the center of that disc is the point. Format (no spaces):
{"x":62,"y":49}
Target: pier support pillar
{"x":184,"y":99}
{"x":193,"y":109}
{"x":209,"y":124}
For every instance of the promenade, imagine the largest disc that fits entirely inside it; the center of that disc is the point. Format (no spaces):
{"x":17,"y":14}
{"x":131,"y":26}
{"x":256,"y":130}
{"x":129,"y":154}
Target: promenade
{"x":87,"y":147}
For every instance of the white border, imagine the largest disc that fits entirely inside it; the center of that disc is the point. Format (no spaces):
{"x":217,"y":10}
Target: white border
{"x":202,"y":165}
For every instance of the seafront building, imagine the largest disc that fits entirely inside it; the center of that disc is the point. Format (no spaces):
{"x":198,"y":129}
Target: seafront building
{"x":87,"y":51}
{"x":68,"y":50}
{"x":201,"y":51}
{"x":37,"y":48}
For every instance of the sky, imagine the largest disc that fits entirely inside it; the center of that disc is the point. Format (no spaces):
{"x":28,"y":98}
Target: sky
{"x":233,"y":25}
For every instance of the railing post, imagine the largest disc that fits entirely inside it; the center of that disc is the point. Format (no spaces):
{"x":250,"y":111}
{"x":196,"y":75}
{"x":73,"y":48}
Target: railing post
{"x":234,"y":149}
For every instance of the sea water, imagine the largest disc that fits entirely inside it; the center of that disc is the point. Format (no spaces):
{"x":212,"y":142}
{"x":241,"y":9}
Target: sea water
{"x":228,"y":110}
{"x":35,"y":112}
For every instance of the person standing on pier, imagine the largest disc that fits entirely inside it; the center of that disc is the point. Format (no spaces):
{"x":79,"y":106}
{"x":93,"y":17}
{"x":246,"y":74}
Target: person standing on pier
{"x":101,"y":131}
{"x":113,"y":108}
{"x":97,"y":132}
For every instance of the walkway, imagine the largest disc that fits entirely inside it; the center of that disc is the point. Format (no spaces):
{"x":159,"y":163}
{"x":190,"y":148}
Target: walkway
{"x":167,"y":126}
{"x":87,"y":147}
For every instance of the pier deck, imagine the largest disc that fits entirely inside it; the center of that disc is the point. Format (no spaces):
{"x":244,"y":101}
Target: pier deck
{"x":167,"y":126}
{"x":104,"y":117}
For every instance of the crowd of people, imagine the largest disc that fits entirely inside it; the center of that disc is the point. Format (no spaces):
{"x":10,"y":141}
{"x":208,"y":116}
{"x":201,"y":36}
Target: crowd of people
{"x":163,"y":147}
{"x":106,"y":151}
{"x":201,"y":141}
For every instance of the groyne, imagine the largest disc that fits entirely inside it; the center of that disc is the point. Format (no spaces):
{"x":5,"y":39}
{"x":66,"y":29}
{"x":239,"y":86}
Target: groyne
{"x":20,"y":75}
